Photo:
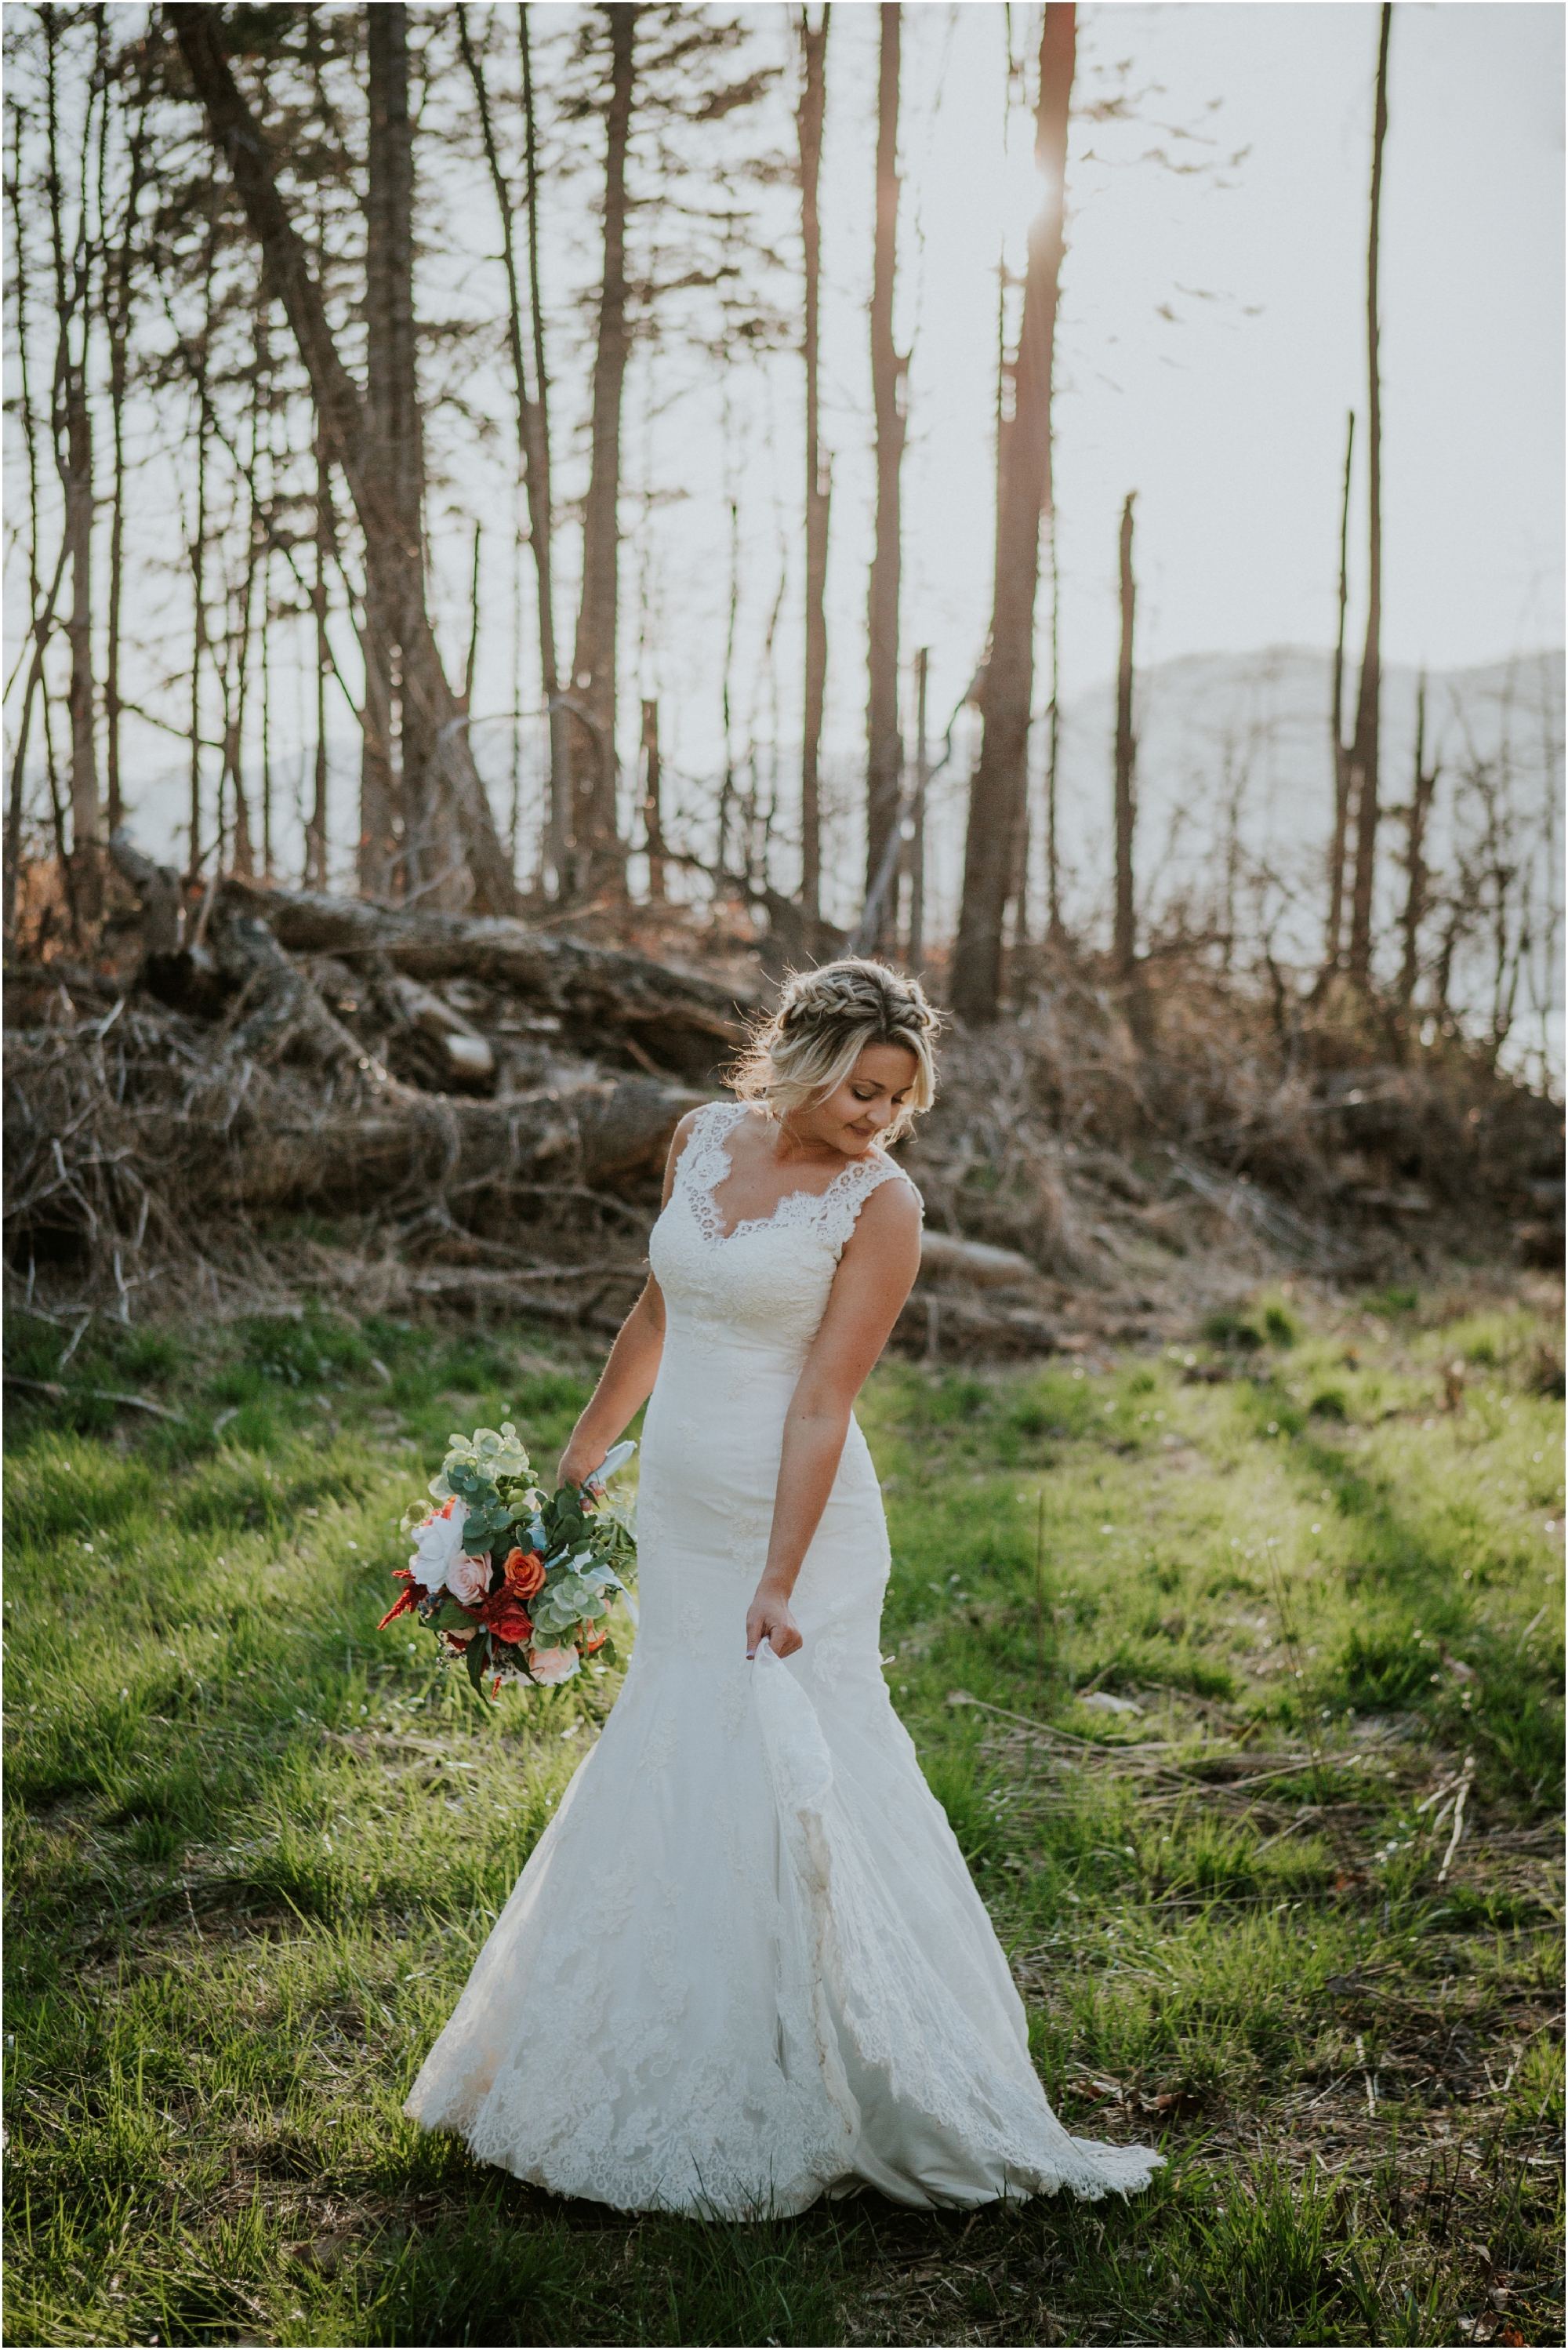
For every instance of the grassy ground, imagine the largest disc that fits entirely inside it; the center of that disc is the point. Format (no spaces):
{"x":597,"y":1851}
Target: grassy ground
{"x":253,"y":1844}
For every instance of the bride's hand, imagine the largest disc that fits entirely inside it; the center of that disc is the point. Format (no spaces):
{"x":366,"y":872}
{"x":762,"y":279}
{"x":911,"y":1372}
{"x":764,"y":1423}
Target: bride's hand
{"x":768,"y":1619}
{"x":579,"y":1462}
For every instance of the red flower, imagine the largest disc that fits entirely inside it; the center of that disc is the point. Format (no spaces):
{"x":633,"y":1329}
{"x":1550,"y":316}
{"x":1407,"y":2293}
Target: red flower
{"x":524,"y":1573}
{"x":408,"y":1598}
{"x":595,"y":1641}
{"x":506,"y":1618}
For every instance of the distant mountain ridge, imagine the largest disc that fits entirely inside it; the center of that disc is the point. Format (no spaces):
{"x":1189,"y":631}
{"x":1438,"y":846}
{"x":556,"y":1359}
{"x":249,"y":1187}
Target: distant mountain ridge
{"x":1234,"y":758}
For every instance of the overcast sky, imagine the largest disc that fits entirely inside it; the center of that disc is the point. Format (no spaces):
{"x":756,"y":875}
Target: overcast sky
{"x":1228,"y":421}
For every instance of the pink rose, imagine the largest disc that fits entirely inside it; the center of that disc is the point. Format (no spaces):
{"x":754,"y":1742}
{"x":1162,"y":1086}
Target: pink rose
{"x":552,"y":1666}
{"x":468,"y":1580}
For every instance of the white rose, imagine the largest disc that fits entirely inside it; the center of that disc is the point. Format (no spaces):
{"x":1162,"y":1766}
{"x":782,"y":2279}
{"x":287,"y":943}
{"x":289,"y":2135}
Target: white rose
{"x":552,"y":1666}
{"x":440,"y":1541}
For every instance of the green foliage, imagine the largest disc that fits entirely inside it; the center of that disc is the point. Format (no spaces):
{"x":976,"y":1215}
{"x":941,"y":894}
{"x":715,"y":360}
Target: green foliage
{"x":305,"y":1350}
{"x":1394,"y":1300}
{"x":1235,"y":1330}
{"x":1267,"y":1322}
{"x":1378,"y":1670}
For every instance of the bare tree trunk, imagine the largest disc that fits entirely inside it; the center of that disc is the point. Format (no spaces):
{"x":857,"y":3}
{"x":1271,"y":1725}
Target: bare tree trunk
{"x":540,"y":493}
{"x":198,"y":550}
{"x":117,"y":305}
{"x":244,"y":857}
{"x":533,"y":421}
{"x":1126,"y":757}
{"x":915,"y":951}
{"x":818,"y":475}
{"x":315,"y":830}
{"x":470,"y":664}
{"x":1364,"y":750}
{"x":727,"y":788}
{"x":1423,"y":788}
{"x":652,"y":811}
{"x":377,"y":777}
{"x":1053,"y":751}
{"x":428,"y":706}
{"x":1341,"y":757}
{"x":242,"y":860}
{"x":72,"y":432}
{"x":889,"y":377}
{"x":1021,"y":847}
{"x":598,"y":857}
{"x":42,"y":605}
{"x":266,"y":401}
{"x":1000,"y":780}
{"x":58,"y":818}
{"x":392,"y":395}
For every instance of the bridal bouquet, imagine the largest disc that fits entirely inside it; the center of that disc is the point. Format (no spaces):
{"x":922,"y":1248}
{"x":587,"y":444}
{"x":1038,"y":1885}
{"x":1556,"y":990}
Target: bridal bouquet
{"x":517,"y":1587}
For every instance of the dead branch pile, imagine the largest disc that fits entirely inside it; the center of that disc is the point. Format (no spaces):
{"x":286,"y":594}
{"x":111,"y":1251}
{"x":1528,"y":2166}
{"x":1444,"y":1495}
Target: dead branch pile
{"x":316,"y":1093}
{"x":1193,"y":1139}
{"x":420,"y":1080}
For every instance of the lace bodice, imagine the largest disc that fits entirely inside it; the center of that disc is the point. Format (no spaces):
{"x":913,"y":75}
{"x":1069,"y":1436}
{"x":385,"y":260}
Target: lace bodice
{"x":765,"y":1285}
{"x":831,"y":1212}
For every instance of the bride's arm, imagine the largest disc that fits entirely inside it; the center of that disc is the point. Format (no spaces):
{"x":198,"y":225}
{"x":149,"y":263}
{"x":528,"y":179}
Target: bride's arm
{"x":627,"y":1380}
{"x":875,"y":1275}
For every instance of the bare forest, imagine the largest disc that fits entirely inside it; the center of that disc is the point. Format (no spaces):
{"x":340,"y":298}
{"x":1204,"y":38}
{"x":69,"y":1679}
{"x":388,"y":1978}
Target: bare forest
{"x":390,"y":856}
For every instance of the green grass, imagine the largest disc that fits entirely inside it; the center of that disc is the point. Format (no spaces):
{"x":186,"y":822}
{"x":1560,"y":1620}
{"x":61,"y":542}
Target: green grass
{"x":253,"y":1844}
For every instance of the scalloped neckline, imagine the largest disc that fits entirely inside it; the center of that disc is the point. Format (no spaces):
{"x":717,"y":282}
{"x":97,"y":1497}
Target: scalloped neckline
{"x":701,"y":1186}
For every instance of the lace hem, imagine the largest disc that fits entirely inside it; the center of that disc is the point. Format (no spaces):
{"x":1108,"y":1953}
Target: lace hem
{"x":891,"y":2003}
{"x":705,"y":1162}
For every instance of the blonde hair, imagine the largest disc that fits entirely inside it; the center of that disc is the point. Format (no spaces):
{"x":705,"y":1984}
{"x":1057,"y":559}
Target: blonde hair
{"x":825,"y":1020}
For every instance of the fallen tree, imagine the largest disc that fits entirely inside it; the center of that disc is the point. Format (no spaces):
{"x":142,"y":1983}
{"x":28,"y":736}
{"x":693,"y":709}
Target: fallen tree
{"x":267,"y":946}
{"x":599,"y":994}
{"x":447,"y":1082}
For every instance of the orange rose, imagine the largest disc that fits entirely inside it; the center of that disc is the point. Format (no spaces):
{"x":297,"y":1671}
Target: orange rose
{"x":524,"y":1573}
{"x":595,"y":1641}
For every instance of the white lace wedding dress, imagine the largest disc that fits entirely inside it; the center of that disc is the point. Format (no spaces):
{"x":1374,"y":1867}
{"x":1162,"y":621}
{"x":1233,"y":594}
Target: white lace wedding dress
{"x":745,"y":1964}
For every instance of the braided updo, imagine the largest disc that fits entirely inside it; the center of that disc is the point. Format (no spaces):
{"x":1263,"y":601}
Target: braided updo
{"x":825,"y":1020}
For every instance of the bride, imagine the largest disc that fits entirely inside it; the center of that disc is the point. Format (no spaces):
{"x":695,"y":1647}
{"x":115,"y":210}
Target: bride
{"x":745,"y":1965}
